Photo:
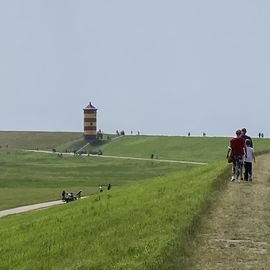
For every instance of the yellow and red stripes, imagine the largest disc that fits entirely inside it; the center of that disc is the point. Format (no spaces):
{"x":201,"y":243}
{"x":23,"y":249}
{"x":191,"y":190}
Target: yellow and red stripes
{"x":90,"y":122}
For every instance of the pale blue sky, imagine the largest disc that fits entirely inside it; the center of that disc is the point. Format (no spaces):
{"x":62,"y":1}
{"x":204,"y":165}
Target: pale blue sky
{"x":161,"y":67}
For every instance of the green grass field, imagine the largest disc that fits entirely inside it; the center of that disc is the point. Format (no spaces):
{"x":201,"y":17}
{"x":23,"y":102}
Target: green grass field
{"x":41,"y":140}
{"x":200,"y":149}
{"x":144,"y":222}
{"x":138,"y":226}
{"x":27,"y":178}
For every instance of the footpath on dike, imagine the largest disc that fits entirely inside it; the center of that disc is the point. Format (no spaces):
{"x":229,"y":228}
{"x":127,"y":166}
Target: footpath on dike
{"x":235,"y":232}
{"x":27,"y":208}
{"x":31,"y":207}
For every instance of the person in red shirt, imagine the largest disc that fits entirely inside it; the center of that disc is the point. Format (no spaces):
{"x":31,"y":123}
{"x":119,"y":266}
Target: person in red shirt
{"x":236,"y":152}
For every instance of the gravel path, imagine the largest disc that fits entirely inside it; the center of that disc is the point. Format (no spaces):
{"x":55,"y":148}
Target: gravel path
{"x":236,"y":232}
{"x":120,"y":157}
{"x":27,"y":208}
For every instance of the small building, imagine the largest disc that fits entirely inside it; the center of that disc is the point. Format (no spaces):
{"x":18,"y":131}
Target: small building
{"x":90,"y":122}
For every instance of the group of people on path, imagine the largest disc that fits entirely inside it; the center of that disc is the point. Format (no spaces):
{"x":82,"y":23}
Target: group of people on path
{"x":69,"y":196}
{"x":241,"y":154}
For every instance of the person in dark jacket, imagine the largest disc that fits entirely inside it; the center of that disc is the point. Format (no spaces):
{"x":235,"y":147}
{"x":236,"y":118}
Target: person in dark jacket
{"x":245,"y":136}
{"x":63,"y":195}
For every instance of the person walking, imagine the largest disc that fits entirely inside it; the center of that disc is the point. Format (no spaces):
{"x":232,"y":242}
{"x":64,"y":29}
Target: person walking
{"x":249,"y":157}
{"x":63,"y":195}
{"x":245,"y":136}
{"x":236,"y":152}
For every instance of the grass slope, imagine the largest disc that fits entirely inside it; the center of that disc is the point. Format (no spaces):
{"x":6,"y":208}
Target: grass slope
{"x":205,"y":149}
{"x":31,"y":178}
{"x":36,"y":139}
{"x":201,"y":149}
{"x":133,"y":227}
{"x":27,"y":178}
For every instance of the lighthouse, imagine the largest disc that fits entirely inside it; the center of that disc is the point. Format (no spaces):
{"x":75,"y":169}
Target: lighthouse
{"x":90,"y":122}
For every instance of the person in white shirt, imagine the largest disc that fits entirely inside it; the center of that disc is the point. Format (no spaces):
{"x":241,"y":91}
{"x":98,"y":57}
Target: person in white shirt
{"x":249,"y":157}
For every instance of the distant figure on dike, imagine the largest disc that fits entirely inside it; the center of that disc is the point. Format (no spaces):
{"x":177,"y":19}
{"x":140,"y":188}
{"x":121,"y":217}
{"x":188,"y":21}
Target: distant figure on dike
{"x":79,"y":194}
{"x":109,"y":187}
{"x":189,"y":134}
{"x":63,"y":195}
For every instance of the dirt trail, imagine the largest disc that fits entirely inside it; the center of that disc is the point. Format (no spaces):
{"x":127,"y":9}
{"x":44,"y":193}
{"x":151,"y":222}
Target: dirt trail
{"x":236,"y":232}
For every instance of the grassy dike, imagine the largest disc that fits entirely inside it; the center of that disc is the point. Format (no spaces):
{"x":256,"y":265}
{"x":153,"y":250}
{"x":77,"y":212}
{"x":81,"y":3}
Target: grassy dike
{"x":27,"y":178}
{"x":136,"y":226}
{"x":37,"y":139}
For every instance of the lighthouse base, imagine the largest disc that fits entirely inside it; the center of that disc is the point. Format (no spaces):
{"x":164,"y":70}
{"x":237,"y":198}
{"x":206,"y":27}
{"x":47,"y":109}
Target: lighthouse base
{"x":90,"y":138}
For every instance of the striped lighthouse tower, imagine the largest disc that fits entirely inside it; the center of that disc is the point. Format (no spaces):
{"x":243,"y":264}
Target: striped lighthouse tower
{"x":90,"y":122}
